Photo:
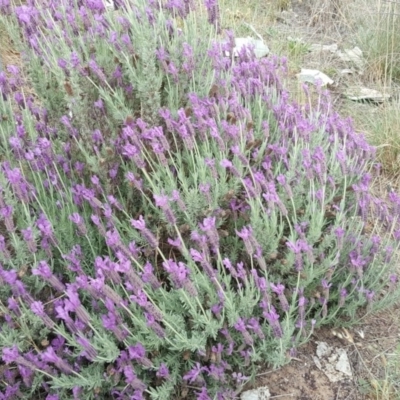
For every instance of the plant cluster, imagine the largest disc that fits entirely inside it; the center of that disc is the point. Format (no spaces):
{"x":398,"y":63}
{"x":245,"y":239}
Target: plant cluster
{"x":170,"y":219}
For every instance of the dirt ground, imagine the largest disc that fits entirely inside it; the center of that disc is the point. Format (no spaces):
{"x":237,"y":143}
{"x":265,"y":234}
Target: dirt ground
{"x":368,"y":348}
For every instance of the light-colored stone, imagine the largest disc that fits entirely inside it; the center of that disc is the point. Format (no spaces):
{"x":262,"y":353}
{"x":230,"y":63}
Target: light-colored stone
{"x":343,"y":365}
{"x":333,"y":362}
{"x":323,"y":350}
{"x":261,"y":393}
{"x":354,"y":55}
{"x":313,"y":76}
{"x":366,"y":94}
{"x":109,"y":4}
{"x":260,"y":48}
{"x":346,"y":71}
{"x":332,"y":359}
{"x":317,"y":362}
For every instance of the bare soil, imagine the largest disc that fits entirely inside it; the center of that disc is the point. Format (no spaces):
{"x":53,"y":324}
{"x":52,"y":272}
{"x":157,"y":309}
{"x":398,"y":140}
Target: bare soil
{"x":373,"y":342}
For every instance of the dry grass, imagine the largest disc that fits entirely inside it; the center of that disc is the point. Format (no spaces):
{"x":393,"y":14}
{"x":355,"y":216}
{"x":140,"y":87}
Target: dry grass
{"x":377,"y":30}
{"x":7,"y":52}
{"x":381,"y":367}
{"x":384,"y":132}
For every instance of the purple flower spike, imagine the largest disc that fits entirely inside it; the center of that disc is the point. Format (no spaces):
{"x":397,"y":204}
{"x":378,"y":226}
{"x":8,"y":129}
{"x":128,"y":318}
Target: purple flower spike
{"x":228,"y":265}
{"x":137,"y":183}
{"x":202,"y":259}
{"x":6,"y":212}
{"x":45,"y":228}
{"x":113,"y":239}
{"x":205,"y":189}
{"x":240,"y":326}
{"x":88,"y":350}
{"x":255,"y":326}
{"x":79,"y":222}
{"x":149,"y":277}
{"x":239,"y":377}
{"x":176,"y":197}
{"x":29,"y":239}
{"x":228,"y":165}
{"x":133,"y":153}
{"x":296,"y":248}
{"x":393,"y":281}
{"x":138,"y":353}
{"x":279,"y":289}
{"x":43,"y":270}
{"x":132,"y":379}
{"x":213,"y":13}
{"x":210,"y":163}
{"x":50,"y":356}
{"x":3,"y":248}
{"x":203,"y":394}
{"x":273,"y":318}
{"x":339,"y":232}
{"x":370,"y":295}
{"x":10,"y":354}
{"x":342,"y":298}
{"x":38,"y":309}
{"x":194,"y":375}
{"x":163,"y":371}
{"x":179,"y":275}
{"x":154,"y":325}
{"x":97,"y":70}
{"x":246,"y":234}
{"x":209,"y":228}
{"x":162,"y":201}
{"x":140,"y":225}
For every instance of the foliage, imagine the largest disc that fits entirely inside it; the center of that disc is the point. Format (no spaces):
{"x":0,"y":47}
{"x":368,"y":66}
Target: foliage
{"x":381,"y":43}
{"x":171,"y":221}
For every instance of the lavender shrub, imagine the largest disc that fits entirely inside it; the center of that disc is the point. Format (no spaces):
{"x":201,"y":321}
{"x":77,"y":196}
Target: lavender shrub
{"x":170,"y":220}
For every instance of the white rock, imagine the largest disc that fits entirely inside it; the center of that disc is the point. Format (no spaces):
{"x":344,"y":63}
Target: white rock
{"x":323,"y":350}
{"x":333,"y":376}
{"x":317,"y":362}
{"x":365,"y":94}
{"x":109,"y":4}
{"x":343,"y":365}
{"x":354,"y":55}
{"x":332,"y":359}
{"x":333,"y":362}
{"x":261,"y":393}
{"x":346,"y":71}
{"x":313,"y":76}
{"x":260,"y":48}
